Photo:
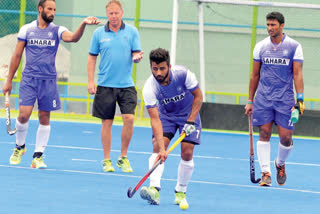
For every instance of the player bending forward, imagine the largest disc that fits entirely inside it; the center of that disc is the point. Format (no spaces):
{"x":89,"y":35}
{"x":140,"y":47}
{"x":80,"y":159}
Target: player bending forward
{"x":173,"y":99}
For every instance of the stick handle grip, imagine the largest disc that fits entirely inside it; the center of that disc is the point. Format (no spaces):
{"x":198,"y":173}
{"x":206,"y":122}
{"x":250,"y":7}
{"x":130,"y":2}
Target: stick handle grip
{"x":7,"y":100}
{"x":251,"y":135}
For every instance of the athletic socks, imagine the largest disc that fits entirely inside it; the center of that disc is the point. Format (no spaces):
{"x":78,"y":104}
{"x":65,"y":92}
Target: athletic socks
{"x":283,"y":154}
{"x":263,"y":151}
{"x":21,"y":133}
{"x":20,"y":147}
{"x":42,"y":138}
{"x":185,"y":171}
{"x":156,"y":175}
{"x":37,"y":154}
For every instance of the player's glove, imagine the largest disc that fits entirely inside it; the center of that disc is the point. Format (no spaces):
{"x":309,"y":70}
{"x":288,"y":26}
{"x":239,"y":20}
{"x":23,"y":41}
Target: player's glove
{"x":188,"y":128}
{"x":300,"y":106}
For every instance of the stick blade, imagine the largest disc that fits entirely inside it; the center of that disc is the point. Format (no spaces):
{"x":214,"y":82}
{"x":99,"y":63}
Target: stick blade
{"x":129,"y":193}
{"x":253,"y":180}
{"x":12,"y":132}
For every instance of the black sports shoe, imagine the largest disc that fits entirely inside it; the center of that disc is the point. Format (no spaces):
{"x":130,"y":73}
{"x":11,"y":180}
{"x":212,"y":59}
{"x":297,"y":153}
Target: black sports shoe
{"x":281,"y":174}
{"x":266,"y":179}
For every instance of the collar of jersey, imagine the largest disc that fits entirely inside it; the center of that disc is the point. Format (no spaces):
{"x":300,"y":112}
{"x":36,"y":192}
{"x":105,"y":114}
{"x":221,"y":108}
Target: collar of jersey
{"x":107,"y":29}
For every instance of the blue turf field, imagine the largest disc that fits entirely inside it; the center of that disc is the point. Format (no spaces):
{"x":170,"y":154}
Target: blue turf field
{"x":74,"y":181}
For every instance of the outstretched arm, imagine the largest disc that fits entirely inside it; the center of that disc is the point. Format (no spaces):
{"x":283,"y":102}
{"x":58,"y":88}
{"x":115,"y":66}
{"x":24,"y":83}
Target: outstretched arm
{"x":69,"y":36}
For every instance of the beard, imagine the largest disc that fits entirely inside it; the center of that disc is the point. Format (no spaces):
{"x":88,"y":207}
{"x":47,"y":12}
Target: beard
{"x":46,"y":18}
{"x":160,"y":78}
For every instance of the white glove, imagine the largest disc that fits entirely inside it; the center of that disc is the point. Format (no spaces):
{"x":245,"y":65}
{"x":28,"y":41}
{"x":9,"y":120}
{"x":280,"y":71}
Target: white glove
{"x":188,"y":128}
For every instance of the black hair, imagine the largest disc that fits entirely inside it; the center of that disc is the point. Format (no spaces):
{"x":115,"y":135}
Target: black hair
{"x":159,"y":55}
{"x":276,"y":15}
{"x":41,"y":3}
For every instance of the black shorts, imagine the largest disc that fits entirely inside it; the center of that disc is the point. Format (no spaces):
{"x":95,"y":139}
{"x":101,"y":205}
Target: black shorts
{"x":104,"y":104}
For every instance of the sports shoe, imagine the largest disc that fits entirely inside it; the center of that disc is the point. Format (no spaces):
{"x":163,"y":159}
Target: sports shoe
{"x":151,"y":194}
{"x":180,"y":197}
{"x":281,"y":174}
{"x":16,"y":155}
{"x":266,"y":179}
{"x":124,"y":164}
{"x":107,"y":165}
{"x":38,"y":163}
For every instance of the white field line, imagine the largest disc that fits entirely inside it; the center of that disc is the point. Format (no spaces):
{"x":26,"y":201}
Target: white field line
{"x":174,"y":180}
{"x":171,"y":154}
{"x":84,"y":160}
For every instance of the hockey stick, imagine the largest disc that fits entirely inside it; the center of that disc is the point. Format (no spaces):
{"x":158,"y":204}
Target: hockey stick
{"x":131,"y":191}
{"x":252,"y":169}
{"x":8,"y":121}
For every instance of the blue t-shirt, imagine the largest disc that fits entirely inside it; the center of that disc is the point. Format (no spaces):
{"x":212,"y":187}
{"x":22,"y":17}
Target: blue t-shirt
{"x":41,"y":49}
{"x":276,"y":72}
{"x":174,"y":99}
{"x":115,"y":69}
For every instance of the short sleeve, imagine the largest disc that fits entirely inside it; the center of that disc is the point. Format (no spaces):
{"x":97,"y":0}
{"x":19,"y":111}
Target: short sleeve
{"x":191,"y":81}
{"x":136,"y":45}
{"x":22,"y":35}
{"x":149,"y":96}
{"x":298,"y":55}
{"x":256,"y":52}
{"x":94,"y":45}
{"x":61,"y":30}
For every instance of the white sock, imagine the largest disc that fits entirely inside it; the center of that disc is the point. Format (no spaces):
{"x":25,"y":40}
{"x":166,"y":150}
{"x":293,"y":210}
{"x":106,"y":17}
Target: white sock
{"x":185,"y":171}
{"x":263,"y":150}
{"x":283,"y":154}
{"x":42,"y":139}
{"x":156,"y":175}
{"x":21,"y":133}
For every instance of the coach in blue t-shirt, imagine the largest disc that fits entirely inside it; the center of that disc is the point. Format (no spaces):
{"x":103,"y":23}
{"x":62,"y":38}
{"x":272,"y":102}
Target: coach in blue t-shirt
{"x":119,"y":46}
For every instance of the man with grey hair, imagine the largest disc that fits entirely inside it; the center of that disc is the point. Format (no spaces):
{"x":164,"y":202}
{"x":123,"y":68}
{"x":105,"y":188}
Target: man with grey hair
{"x":119,"y":46}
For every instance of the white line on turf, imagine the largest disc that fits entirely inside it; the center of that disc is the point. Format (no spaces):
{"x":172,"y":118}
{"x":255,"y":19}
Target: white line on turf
{"x":171,"y":154}
{"x":84,"y":160}
{"x":166,"y":179}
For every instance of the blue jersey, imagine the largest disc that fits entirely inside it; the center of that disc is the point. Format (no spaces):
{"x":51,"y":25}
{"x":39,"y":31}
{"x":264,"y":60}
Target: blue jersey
{"x":41,"y":49}
{"x":276,"y":72}
{"x":115,"y":68}
{"x":174,"y":99}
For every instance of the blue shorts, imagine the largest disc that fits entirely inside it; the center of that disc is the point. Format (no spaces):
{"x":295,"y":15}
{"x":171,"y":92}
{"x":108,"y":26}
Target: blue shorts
{"x":43,"y":90}
{"x":170,"y":124}
{"x":264,"y":112}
